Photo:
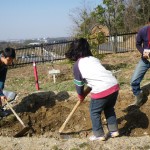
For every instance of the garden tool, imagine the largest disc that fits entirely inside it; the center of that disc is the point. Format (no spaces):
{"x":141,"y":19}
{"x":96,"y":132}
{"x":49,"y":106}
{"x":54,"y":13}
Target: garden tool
{"x":86,"y":92}
{"x":69,"y":116}
{"x":25,"y":128}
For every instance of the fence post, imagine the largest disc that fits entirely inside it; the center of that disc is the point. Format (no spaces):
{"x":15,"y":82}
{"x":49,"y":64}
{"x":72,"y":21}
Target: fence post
{"x":36,"y":76}
{"x":42,"y":53}
{"x":115,"y":44}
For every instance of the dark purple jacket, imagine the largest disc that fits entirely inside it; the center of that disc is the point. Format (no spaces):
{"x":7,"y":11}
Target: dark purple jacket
{"x":143,"y":39}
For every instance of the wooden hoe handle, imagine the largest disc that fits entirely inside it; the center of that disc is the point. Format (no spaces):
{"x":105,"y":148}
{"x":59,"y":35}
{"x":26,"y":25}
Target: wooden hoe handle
{"x":19,"y":119}
{"x":69,"y":116}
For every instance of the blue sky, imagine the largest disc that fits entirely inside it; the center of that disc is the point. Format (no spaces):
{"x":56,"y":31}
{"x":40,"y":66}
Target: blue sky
{"x":24,"y":19}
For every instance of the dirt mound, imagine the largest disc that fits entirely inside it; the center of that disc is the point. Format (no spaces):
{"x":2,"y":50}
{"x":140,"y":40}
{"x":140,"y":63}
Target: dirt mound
{"x":45,"y":112}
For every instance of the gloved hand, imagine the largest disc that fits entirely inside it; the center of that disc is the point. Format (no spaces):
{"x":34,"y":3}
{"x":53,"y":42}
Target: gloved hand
{"x":2,"y":99}
{"x":81,"y":99}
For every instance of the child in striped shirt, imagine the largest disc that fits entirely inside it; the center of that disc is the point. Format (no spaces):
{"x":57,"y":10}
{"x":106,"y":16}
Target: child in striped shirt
{"x":101,"y":84}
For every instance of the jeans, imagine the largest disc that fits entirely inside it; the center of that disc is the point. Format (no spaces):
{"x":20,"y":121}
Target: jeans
{"x":138,"y":75}
{"x":105,"y":104}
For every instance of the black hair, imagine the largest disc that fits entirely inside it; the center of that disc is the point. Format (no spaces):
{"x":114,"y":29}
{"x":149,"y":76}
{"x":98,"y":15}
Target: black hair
{"x":78,"y":48}
{"x":149,"y":19}
{"x":9,"y":52}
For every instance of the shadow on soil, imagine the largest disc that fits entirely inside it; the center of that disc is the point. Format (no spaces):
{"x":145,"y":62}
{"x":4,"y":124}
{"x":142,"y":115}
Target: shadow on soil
{"x":33,"y":102}
{"x":134,"y":118}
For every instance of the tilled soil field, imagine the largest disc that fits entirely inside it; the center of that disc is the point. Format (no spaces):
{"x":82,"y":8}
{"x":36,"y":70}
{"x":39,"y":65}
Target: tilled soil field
{"x":45,"y":112}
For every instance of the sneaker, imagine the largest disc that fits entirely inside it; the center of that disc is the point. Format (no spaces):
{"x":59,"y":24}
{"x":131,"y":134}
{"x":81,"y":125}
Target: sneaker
{"x":140,"y":99}
{"x":113,"y":134}
{"x":100,"y":138}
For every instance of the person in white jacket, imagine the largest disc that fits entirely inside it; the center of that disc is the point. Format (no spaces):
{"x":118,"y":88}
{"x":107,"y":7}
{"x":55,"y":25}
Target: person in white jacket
{"x":103,"y":86}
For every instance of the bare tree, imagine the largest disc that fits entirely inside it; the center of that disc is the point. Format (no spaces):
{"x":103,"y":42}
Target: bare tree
{"x":82,"y":20}
{"x":136,"y":14}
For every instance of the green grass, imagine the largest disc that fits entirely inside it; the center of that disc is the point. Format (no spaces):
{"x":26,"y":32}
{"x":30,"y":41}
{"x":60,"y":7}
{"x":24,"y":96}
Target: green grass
{"x":22,"y":79}
{"x":74,"y":149}
{"x":84,"y":145}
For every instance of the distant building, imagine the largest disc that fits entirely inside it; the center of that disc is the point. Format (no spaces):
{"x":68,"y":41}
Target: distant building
{"x":98,"y":34}
{"x":99,"y":28}
{"x":34,"y":43}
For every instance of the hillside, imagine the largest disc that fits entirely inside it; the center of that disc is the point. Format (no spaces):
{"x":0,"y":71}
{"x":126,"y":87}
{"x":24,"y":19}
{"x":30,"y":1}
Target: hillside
{"x":46,"y":110}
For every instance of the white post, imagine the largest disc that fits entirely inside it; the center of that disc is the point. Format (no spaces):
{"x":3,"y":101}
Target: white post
{"x":54,"y":78}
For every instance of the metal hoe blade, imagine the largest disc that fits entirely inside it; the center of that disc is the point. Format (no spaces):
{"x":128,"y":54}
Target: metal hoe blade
{"x":22,"y":132}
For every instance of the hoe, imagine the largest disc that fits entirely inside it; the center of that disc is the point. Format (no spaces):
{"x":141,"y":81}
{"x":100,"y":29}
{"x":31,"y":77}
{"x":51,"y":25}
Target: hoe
{"x":11,"y":96}
{"x":25,"y":128}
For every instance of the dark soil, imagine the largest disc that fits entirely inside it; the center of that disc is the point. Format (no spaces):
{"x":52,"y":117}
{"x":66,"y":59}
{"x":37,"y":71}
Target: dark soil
{"x":45,"y":112}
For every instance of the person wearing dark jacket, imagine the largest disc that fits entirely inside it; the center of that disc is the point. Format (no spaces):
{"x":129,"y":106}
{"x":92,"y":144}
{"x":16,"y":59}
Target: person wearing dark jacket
{"x":143,"y":46}
{"x":6,"y":58}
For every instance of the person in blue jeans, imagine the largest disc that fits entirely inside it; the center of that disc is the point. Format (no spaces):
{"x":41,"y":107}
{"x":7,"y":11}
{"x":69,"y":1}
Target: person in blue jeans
{"x":143,"y":45}
{"x":91,"y":77}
